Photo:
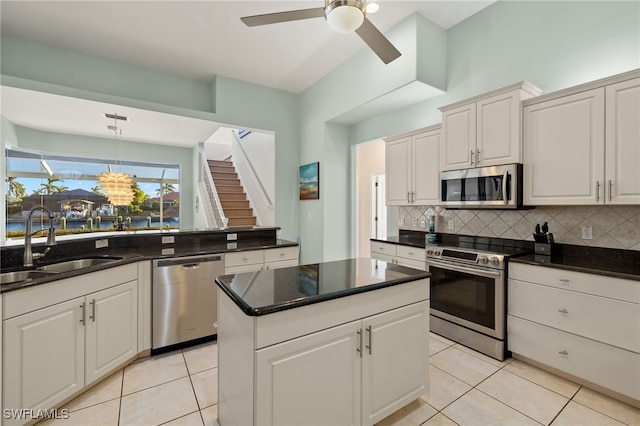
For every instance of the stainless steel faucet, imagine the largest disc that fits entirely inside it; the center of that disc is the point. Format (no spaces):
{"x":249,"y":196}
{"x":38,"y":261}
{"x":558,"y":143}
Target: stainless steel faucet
{"x":29,"y":256}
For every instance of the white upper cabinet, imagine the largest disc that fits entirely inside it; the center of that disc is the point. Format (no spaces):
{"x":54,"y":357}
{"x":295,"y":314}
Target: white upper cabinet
{"x":412,"y":172}
{"x":622,"y":171}
{"x":484,"y":130}
{"x":582,"y":145}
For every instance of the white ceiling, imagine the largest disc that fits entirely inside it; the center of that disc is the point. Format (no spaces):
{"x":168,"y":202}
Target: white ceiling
{"x":194,"y":39}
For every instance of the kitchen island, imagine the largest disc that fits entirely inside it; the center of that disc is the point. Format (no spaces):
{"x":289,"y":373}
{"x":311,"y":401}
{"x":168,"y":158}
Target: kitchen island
{"x":343,"y":342}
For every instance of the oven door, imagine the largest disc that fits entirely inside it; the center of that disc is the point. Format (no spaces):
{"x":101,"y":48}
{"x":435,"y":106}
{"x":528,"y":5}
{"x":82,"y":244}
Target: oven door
{"x":471,"y":296}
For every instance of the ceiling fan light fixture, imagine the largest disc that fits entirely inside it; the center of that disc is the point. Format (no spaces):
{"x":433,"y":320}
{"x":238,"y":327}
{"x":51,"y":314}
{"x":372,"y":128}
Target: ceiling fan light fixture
{"x":345,"y":16}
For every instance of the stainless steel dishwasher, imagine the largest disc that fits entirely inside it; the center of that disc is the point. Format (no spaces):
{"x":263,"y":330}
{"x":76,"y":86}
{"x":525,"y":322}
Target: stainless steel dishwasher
{"x":184,"y":298}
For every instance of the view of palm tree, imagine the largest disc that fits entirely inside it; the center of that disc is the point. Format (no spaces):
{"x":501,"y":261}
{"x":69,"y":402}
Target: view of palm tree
{"x":49,"y":188}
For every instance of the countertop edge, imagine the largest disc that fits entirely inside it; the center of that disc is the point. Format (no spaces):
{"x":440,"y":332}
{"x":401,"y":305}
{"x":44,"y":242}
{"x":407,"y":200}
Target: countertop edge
{"x":128,"y":256}
{"x":573,"y":268}
{"x":256,"y":312}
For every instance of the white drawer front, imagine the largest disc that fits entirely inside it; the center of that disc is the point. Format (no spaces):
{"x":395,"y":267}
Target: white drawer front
{"x":598,"y":285}
{"x":280,"y":254}
{"x":240,"y":258}
{"x":413,"y":253}
{"x":281,"y":264}
{"x":606,"y":320}
{"x":608,"y":366}
{"x":383,"y":248}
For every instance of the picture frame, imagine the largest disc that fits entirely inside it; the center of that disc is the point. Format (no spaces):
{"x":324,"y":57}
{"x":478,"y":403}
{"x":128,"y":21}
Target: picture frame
{"x":309,"y":181}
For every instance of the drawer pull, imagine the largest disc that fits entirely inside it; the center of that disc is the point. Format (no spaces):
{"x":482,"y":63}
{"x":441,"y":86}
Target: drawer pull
{"x":410,"y":253}
{"x":563,"y":311}
{"x":564,"y":353}
{"x":563,"y":280}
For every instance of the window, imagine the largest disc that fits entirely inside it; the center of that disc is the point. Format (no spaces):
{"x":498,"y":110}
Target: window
{"x":69,"y":188}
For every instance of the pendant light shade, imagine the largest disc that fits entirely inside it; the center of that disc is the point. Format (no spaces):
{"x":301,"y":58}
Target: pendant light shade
{"x":345,"y":16}
{"x":118,"y":187}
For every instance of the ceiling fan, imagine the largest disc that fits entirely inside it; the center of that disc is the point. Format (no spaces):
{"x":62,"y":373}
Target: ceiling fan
{"x":343,"y":16}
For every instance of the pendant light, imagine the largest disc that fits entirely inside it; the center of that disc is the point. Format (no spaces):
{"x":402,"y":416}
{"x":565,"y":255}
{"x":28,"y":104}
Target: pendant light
{"x":117,"y":186}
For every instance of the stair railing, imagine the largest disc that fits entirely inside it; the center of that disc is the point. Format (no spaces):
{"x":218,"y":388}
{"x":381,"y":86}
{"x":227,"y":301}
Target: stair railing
{"x":213,"y":208}
{"x":253,"y":171}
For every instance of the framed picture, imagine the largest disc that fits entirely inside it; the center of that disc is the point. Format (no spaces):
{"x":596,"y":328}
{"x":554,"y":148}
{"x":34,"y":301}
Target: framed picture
{"x":309,"y":181}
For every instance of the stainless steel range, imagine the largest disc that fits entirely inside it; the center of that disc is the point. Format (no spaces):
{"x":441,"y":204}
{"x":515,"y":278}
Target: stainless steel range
{"x":468,"y":293}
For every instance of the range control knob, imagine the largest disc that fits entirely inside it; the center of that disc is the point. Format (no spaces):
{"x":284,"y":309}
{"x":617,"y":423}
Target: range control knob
{"x":429,"y":252}
{"x":495,"y":261}
{"x":436,"y":252}
{"x":483,"y":259}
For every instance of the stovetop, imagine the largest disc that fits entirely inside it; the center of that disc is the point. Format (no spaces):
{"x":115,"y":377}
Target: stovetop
{"x":488,"y":245}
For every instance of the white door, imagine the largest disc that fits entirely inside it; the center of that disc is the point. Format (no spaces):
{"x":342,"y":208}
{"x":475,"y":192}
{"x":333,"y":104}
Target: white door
{"x":311,"y":380}
{"x":378,"y":219}
{"x":458,"y":143}
{"x":498,"y":132}
{"x":43,"y":356}
{"x":564,"y":150}
{"x":623,"y":143}
{"x":111,"y":329}
{"x":394,"y":367}
{"x":398,"y":175}
{"x":426,"y":168}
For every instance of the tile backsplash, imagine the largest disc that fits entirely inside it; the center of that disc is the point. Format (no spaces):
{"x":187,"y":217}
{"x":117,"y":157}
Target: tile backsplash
{"x":613,"y":226}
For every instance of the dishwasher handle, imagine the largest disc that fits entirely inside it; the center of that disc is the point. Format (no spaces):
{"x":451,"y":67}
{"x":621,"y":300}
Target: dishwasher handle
{"x":189,"y":262}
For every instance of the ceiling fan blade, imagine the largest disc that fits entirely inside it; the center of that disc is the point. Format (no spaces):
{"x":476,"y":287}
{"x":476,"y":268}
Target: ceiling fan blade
{"x":274,"y":18}
{"x":377,"y":42}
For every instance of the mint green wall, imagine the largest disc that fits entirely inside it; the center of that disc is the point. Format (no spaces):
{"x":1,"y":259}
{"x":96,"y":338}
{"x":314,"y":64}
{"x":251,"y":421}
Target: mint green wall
{"x":551,"y":44}
{"x":326,"y":227}
{"x":29,"y":65}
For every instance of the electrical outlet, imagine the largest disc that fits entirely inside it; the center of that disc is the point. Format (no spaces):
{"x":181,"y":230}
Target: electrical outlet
{"x":587,"y":233}
{"x":452,"y":224}
{"x":423,"y":223}
{"x":102,"y":243}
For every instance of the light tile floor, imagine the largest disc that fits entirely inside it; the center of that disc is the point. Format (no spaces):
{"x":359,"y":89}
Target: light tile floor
{"x":467,"y":388}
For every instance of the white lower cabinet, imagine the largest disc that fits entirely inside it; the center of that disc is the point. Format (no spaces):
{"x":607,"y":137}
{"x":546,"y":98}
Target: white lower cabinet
{"x":256,"y":260}
{"x":312,"y":377}
{"x":585,"y":325}
{"x":313,"y":367}
{"x":409,"y":256}
{"x":364,"y":370}
{"x":56,"y":348}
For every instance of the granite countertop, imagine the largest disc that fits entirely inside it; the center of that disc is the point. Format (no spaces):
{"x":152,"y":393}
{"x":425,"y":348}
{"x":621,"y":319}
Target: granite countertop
{"x":149,"y":247}
{"x":273,"y":290}
{"x":609,"y":262}
{"x":615,"y":263}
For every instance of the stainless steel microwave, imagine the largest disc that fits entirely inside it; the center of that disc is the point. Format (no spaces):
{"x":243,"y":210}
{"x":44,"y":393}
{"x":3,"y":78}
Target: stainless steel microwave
{"x":498,"y":187}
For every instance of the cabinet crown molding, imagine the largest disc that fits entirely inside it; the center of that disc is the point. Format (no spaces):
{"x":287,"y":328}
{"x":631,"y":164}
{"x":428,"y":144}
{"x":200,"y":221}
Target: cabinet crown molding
{"x":522,"y":85}
{"x":414,"y":132}
{"x":618,"y":78}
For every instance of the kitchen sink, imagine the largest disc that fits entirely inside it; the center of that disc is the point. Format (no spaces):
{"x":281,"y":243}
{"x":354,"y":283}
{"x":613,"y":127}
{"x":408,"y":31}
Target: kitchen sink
{"x":72,"y":265}
{"x":14,"y":277}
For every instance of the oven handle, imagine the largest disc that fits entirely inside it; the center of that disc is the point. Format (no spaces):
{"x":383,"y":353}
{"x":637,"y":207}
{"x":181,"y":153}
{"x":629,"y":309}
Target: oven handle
{"x":460,"y":268}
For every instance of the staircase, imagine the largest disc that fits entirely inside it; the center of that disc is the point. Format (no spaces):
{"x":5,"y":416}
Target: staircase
{"x":232,"y":196}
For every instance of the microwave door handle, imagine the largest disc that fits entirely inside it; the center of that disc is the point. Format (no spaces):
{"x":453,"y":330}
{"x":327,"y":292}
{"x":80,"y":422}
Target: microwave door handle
{"x":504,"y":187}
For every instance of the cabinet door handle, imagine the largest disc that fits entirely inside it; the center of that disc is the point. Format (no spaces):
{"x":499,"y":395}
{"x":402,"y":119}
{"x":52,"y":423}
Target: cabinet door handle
{"x":369,"y":339}
{"x":563,"y":353}
{"x":610,"y":188}
{"x":472,"y":157}
{"x":597,"y":190}
{"x":413,"y":197}
{"x":563,"y":311}
{"x":359,"y":347}
{"x":477,"y":156}
{"x":82,"y":315}
{"x":93,"y":310}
